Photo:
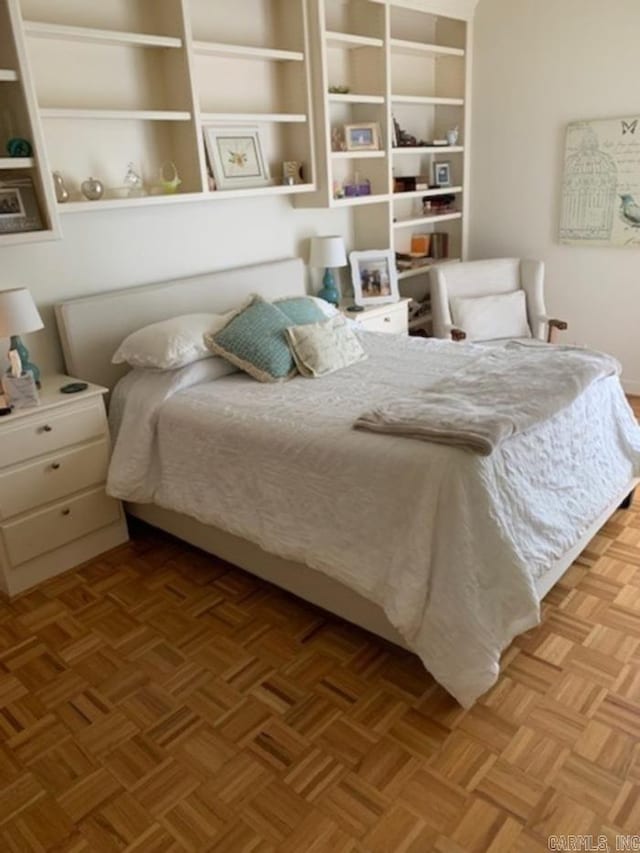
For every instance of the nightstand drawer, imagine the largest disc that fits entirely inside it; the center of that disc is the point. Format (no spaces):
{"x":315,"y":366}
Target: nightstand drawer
{"x":393,"y":321}
{"x":47,"y":433}
{"x":51,"y":528}
{"x":53,"y":477}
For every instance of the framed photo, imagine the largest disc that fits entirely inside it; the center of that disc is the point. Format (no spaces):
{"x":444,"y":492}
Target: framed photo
{"x":362,"y":137}
{"x":442,"y":174}
{"x":236,"y":156}
{"x":19,"y":209}
{"x":374,"y":277}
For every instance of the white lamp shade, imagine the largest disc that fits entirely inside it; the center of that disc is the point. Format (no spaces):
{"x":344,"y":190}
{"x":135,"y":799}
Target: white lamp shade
{"x":18,"y":313}
{"x":327,"y":252}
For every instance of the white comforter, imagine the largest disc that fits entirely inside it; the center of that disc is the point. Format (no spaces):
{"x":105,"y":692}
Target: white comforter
{"x":448,"y":543}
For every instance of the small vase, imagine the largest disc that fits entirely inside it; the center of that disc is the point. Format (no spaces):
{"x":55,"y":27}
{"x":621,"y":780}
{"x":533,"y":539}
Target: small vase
{"x":452,"y":136}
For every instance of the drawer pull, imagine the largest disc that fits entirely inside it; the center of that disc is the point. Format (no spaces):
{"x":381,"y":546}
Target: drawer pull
{"x":66,"y":511}
{"x":55,"y":466}
{"x":46,"y":428}
{"x":387,"y":319}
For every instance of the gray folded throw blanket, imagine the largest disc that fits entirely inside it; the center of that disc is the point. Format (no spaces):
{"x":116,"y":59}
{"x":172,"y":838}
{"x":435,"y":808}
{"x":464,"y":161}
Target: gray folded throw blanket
{"x":505,"y":391}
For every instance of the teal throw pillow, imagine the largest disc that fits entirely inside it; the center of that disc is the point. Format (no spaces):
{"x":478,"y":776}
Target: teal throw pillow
{"x":254,"y":340}
{"x":300,"y":310}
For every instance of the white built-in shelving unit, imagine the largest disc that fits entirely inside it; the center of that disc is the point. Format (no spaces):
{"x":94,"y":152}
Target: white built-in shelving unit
{"x":19,"y":119}
{"x":397,"y":63}
{"x":137,"y":81}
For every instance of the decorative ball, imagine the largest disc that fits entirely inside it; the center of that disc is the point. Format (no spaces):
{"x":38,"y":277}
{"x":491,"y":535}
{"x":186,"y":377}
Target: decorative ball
{"x":18,"y":147}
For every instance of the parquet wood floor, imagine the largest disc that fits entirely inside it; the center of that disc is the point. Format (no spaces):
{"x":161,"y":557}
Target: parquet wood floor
{"x":159,"y":699}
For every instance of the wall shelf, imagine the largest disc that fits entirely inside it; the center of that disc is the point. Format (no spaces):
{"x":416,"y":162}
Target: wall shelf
{"x":427,"y":100}
{"x":412,"y":273}
{"x":240,"y":51}
{"x":270,"y":118}
{"x":356,"y":201}
{"x":114,"y":115}
{"x":8,"y":75}
{"x":358,"y":155}
{"x":426,"y":220}
{"x":17,"y":162}
{"x":350,"y":41}
{"x":427,"y":51}
{"x":39,"y":29}
{"x":427,"y":149}
{"x":355,"y":99}
{"x":432,"y":193}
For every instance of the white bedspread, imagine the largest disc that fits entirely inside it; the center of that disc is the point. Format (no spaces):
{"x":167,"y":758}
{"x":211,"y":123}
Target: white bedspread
{"x":448,"y":543}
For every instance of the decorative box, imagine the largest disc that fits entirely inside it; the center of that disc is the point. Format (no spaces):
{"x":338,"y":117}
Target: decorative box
{"x":21,"y":391}
{"x":361,"y":188}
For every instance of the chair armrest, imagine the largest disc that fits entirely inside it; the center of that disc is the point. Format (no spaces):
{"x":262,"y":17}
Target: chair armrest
{"x":458,"y":335}
{"x":562,"y":325}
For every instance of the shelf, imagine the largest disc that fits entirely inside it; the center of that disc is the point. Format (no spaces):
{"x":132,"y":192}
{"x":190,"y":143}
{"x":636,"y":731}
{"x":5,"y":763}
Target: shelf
{"x":150,"y":200}
{"x":427,"y":101}
{"x":425,"y":269}
{"x":431,"y":193}
{"x":355,"y":201}
{"x":428,"y":149}
{"x":269,"y":118}
{"x":17,"y":163}
{"x":419,"y":322}
{"x":355,"y":99}
{"x":108,"y":37}
{"x":241,"y":51}
{"x":357,"y":155}
{"x":115,"y":115}
{"x":429,"y":51}
{"x":350,"y":41}
{"x":426,"y":220}
{"x":7,"y":75}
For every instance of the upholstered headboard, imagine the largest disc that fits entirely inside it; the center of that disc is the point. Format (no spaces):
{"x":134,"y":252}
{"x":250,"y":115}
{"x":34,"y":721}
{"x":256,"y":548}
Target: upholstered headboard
{"x":91,"y":328}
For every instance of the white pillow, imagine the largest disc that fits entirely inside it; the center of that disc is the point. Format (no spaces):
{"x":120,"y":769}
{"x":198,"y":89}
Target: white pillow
{"x":486,"y":318}
{"x":171,"y":343}
{"x":322,"y":348}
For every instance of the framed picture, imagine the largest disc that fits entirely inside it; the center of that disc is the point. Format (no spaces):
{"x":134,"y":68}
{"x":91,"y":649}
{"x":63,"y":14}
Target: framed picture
{"x":374,"y":277}
{"x":236,"y":156}
{"x":362,"y":137}
{"x":19,"y":209}
{"x":442,"y":174}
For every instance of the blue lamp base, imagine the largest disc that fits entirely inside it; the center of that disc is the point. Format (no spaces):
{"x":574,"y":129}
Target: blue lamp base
{"x":27,"y":367}
{"x":329,"y":291}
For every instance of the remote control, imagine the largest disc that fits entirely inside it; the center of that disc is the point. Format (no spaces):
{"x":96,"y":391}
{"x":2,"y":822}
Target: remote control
{"x":74,"y":387}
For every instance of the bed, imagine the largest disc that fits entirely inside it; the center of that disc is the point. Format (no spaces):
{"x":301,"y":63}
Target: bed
{"x":273,"y":479}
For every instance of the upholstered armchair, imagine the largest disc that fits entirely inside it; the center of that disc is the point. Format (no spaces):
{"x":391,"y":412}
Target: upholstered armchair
{"x":513,"y":306}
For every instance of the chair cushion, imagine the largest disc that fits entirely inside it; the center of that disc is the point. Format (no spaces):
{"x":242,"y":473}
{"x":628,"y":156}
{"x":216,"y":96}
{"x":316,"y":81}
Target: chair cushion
{"x":254,"y":341}
{"x":486,"y":318}
{"x":322,"y":348}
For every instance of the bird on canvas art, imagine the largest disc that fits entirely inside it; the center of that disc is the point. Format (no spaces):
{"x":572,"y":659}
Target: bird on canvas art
{"x":630,"y":211}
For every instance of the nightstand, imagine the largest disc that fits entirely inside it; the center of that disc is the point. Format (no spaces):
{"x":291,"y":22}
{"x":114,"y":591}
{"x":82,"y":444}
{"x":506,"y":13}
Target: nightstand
{"x":54,"y":511}
{"x":391,"y":318}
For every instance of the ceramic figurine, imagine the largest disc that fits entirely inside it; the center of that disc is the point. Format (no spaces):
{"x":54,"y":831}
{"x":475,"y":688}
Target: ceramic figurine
{"x":133,"y":182}
{"x":169,"y":178}
{"x":92,"y":189}
{"x":62,"y":193}
{"x":452,"y":136}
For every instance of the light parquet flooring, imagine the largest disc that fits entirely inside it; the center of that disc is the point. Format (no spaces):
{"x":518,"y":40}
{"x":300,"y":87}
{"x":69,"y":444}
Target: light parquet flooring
{"x":159,"y":699}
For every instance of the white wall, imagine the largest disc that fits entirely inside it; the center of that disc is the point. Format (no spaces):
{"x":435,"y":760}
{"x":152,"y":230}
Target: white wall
{"x":120,"y":248}
{"x":539,"y":64}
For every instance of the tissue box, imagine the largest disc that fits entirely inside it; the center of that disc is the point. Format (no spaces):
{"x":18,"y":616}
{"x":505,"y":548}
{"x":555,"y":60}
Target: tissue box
{"x":21,"y":391}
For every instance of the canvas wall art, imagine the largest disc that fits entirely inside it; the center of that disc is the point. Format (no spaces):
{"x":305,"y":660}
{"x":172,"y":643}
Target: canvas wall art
{"x":601,"y":185}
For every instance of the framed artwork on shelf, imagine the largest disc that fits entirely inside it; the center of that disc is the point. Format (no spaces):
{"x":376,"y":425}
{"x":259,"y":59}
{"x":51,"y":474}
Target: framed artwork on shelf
{"x":236,"y":156}
{"x":442,"y":174}
{"x":362,"y":137}
{"x":374,"y":277}
{"x":19,"y":209}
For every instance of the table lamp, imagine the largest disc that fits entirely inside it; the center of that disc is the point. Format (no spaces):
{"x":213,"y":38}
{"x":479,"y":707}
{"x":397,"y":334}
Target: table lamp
{"x":328,"y":252}
{"x":18,"y":315}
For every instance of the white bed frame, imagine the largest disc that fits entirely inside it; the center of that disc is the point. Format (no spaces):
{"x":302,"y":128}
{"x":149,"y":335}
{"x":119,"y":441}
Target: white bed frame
{"x":91,"y":329}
